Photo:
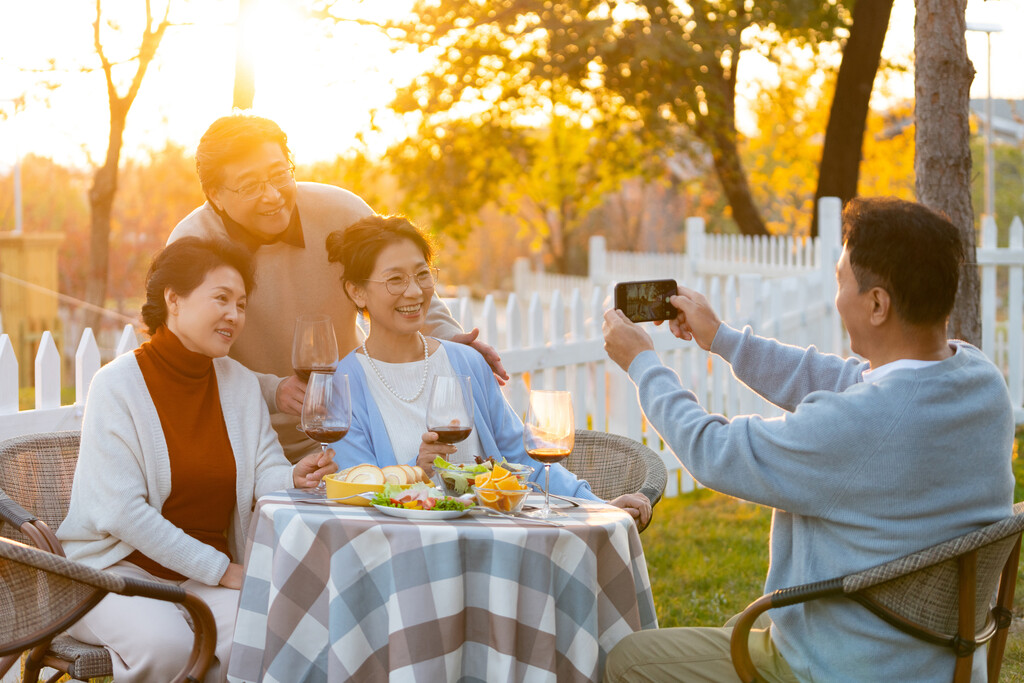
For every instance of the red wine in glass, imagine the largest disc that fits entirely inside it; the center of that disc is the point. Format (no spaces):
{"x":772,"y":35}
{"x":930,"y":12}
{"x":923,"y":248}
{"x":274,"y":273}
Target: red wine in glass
{"x":314,"y":346}
{"x":305,"y":372}
{"x":451,"y":433}
{"x":450,"y":408}
{"x":324,"y":435}
{"x":326,"y":410}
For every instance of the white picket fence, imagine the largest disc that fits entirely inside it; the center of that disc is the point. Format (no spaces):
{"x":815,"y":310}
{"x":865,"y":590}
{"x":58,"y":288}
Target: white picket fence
{"x":548,"y":340}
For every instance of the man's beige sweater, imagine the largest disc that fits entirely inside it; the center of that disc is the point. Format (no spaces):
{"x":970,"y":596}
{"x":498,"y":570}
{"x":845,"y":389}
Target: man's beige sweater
{"x":293,"y":281}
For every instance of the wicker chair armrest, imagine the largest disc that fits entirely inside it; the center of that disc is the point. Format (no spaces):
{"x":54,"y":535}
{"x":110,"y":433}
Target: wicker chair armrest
{"x":657,"y":476}
{"x":28,"y":524}
{"x":14,"y":514}
{"x":738,"y":646}
{"x":204,"y":626}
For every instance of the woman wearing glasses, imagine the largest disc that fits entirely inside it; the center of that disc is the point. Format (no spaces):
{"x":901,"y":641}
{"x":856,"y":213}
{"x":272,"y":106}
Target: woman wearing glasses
{"x":390,"y":279}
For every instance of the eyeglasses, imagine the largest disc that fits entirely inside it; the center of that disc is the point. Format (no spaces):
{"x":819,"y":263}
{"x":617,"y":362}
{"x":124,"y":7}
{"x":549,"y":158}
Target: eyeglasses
{"x":254,"y":190}
{"x":425,"y":277}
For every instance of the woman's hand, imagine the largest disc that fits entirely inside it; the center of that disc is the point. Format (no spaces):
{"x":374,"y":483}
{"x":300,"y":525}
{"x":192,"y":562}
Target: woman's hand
{"x":308,"y":472}
{"x":637,"y":505}
{"x":430,"y":448}
{"x":232,"y":577}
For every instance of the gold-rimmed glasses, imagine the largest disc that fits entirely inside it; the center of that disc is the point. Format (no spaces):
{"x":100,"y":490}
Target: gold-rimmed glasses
{"x":255,"y":189}
{"x":426,"y":278}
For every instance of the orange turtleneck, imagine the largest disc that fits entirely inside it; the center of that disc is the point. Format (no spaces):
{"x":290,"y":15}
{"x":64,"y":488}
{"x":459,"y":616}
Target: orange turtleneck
{"x":183,"y":386}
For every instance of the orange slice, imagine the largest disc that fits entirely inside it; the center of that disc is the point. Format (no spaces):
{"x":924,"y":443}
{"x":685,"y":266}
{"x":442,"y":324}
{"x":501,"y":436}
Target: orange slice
{"x":482,"y":481}
{"x":508,"y":484}
{"x":499,"y":473}
{"x":489,"y":496}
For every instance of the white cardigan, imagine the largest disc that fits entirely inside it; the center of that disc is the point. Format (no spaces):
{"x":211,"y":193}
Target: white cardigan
{"x":123,"y":475}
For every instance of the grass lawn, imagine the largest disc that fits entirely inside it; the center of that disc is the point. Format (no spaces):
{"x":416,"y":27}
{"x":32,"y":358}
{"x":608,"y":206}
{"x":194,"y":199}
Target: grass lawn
{"x":707,"y":556}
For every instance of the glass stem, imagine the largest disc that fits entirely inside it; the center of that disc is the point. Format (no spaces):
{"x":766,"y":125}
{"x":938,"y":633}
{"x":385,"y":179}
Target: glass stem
{"x":547,"y":488}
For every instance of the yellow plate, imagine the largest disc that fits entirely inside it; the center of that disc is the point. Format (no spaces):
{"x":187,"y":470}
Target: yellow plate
{"x":340,"y":489}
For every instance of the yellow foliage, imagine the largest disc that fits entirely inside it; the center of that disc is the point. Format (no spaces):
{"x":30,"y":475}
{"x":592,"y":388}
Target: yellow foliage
{"x":782,"y":158}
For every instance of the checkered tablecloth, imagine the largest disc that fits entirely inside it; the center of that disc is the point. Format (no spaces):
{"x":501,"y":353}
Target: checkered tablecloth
{"x":340,"y":592}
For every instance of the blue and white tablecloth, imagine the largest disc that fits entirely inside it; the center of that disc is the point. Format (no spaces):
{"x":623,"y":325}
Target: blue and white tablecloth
{"x":333,"y":593}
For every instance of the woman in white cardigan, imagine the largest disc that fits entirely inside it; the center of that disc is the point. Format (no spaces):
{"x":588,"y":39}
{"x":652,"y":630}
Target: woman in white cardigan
{"x":176,"y":446}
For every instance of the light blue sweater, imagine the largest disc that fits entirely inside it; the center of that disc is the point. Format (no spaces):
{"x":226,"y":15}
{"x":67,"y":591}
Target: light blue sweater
{"x":499,"y":428}
{"x":858,"y":474}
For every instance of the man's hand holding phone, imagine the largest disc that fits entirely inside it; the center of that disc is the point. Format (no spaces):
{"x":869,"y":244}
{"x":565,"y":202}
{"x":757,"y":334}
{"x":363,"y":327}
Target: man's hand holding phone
{"x":689,"y":315}
{"x":695,"y":319}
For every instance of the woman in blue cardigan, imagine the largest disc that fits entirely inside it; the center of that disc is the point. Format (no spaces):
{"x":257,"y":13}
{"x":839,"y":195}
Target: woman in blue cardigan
{"x":389,"y":277}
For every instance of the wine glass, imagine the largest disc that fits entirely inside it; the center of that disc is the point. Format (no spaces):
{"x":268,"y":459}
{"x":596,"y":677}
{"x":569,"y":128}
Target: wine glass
{"x":450,"y":410}
{"x":314,"y":346}
{"x":326,"y":410}
{"x":548,"y":435}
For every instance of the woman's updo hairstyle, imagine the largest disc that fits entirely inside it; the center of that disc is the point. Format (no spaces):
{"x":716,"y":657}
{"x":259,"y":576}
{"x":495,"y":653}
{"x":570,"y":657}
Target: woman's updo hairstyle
{"x":357,"y":247}
{"x":182,"y":266}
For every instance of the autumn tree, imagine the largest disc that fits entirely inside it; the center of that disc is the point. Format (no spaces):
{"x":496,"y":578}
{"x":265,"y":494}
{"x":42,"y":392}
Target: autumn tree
{"x":104,"y":186}
{"x":942,"y":83}
{"x":542,"y":152}
{"x":674,"y":65}
{"x":782,"y":154}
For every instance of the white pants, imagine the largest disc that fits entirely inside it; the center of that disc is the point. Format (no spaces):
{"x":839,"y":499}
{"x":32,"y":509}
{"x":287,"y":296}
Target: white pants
{"x":149,"y":640}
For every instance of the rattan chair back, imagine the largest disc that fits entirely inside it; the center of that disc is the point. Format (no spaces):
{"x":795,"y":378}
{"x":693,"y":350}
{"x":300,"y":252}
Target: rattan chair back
{"x":36,"y":471}
{"x":615,"y":465}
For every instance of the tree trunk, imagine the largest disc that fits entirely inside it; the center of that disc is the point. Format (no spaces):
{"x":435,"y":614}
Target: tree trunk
{"x":101,"y":202}
{"x":245,"y":69}
{"x":942,"y":160}
{"x":844,"y":135}
{"x":718,"y":131}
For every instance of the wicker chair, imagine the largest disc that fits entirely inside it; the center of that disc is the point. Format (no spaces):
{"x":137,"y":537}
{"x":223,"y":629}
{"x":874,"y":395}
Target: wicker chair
{"x":42,"y":594}
{"x":615,"y":465}
{"x":940,"y":595}
{"x":36,"y":471}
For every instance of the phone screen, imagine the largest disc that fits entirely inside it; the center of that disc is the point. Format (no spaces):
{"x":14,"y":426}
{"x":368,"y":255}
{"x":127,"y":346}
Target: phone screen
{"x":646,"y":300}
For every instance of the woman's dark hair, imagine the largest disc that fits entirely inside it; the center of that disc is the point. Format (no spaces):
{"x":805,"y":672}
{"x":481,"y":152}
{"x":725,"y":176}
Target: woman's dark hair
{"x":182,"y":266}
{"x":357,"y":247}
{"x":908,"y":250}
{"x":230,"y":138}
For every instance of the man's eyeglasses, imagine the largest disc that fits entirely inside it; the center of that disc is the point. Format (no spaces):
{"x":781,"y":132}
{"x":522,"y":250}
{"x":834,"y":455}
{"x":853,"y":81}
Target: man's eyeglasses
{"x":425,"y":277}
{"x":254,"y":190}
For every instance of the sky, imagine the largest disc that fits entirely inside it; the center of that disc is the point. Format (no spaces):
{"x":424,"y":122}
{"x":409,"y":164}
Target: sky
{"x":319,"y":87}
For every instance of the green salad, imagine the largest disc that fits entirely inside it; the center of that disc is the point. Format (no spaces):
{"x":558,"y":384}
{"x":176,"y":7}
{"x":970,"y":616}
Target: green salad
{"x":419,"y":496}
{"x":461,"y":476}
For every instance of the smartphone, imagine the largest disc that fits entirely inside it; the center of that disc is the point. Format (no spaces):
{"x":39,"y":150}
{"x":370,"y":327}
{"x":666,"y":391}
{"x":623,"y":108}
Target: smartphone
{"x":646,"y":300}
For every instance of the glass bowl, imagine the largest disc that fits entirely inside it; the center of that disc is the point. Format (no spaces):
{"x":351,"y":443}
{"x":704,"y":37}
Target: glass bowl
{"x":502,"y":500}
{"x":455,"y":481}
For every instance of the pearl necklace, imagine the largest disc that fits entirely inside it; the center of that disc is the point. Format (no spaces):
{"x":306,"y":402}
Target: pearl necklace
{"x":380,"y":376}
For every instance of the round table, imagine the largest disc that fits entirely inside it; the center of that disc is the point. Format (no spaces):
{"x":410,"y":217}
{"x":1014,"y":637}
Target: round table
{"x":338,"y":592}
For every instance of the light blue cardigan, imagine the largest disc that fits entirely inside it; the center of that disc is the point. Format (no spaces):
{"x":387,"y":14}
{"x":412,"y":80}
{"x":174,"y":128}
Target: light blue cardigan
{"x":499,"y":428}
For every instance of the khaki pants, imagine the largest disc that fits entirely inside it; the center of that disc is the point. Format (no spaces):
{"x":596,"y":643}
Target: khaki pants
{"x":693,"y":654}
{"x":149,"y":640}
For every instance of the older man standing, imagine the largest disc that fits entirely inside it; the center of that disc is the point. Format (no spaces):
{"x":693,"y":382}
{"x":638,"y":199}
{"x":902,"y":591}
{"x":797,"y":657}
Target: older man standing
{"x":246,"y":172}
{"x":874,"y":459}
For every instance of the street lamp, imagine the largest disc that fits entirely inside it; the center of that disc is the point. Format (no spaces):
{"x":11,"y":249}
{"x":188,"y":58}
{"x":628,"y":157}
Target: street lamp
{"x":990,"y":193}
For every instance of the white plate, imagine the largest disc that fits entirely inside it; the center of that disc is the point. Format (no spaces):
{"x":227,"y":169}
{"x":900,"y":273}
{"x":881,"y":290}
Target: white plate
{"x":406,"y":513}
